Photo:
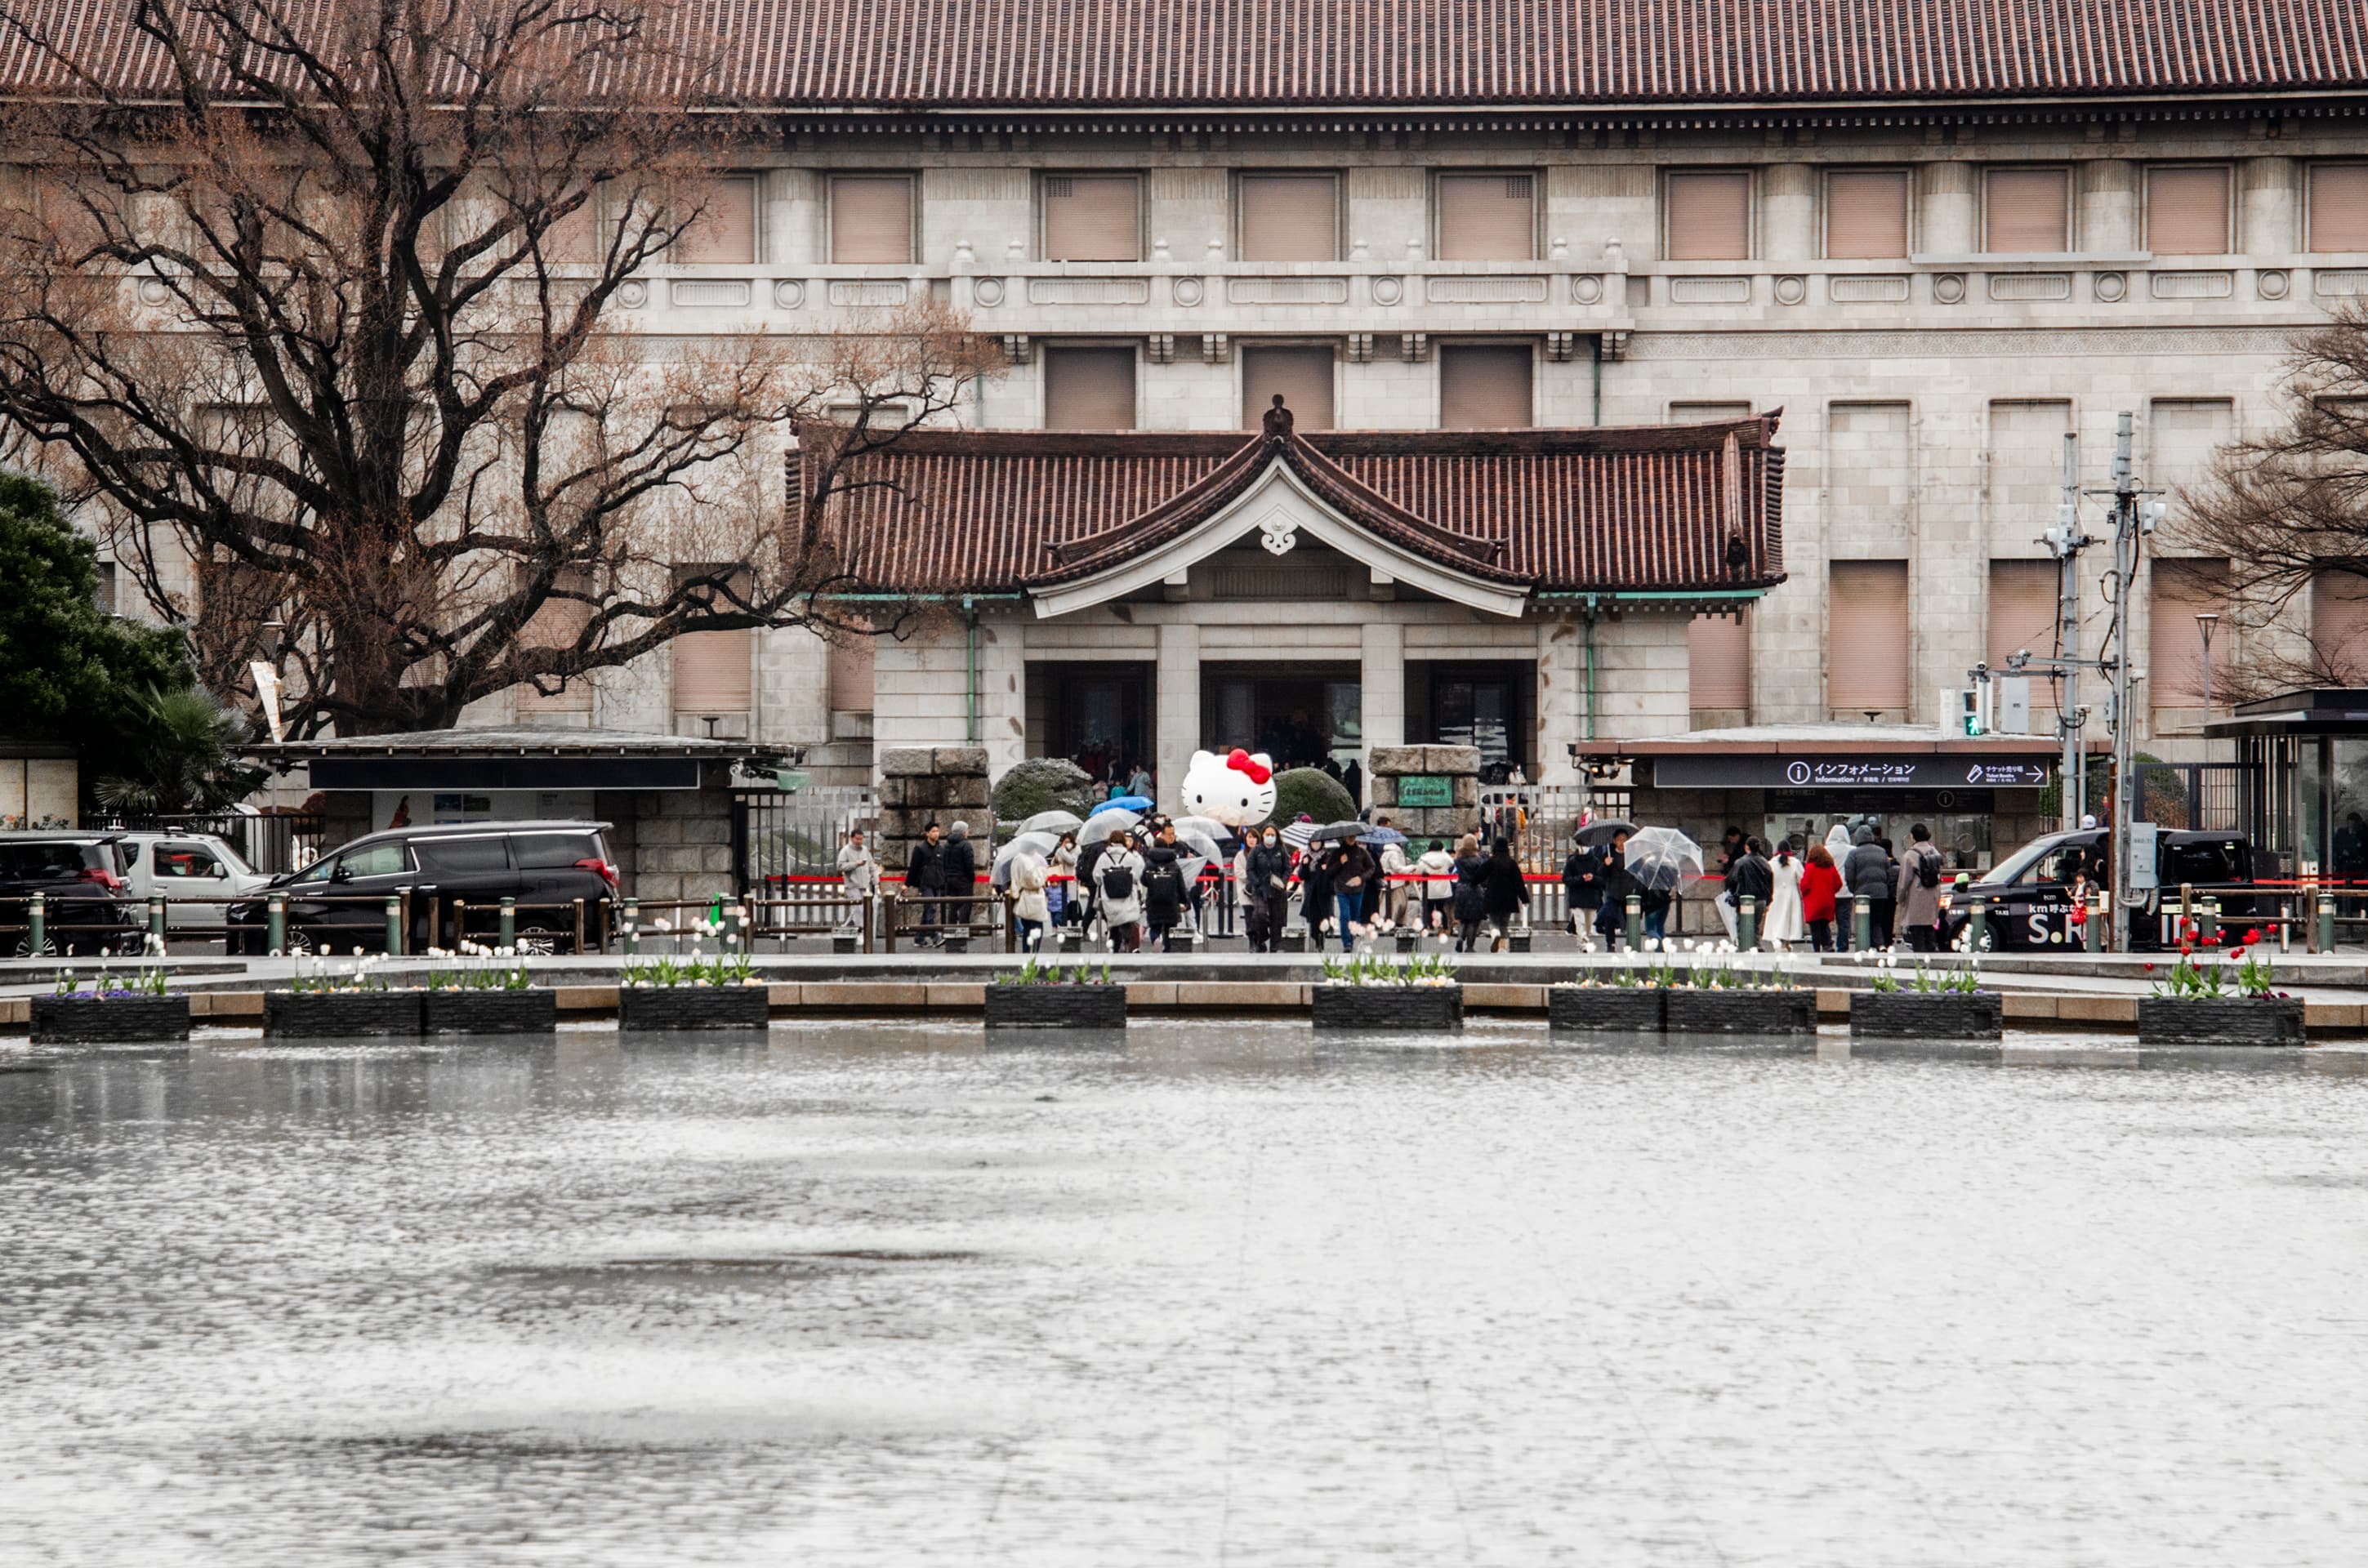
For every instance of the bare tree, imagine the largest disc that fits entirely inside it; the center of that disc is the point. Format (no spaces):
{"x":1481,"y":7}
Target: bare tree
{"x":2289,"y":512}
{"x":326,"y":307}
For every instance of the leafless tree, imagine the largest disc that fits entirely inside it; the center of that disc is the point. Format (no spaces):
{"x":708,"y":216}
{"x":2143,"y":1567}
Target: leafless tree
{"x":325,"y":309}
{"x":2289,"y":512}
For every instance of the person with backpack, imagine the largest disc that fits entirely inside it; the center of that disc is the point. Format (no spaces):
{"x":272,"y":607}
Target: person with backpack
{"x":1118,"y":893}
{"x":1919,"y":893}
{"x":1471,"y":891}
{"x":1162,"y":889}
{"x":1867,"y":875}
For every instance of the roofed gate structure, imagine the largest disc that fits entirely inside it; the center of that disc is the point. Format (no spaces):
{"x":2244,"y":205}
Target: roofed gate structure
{"x":1125,"y":597}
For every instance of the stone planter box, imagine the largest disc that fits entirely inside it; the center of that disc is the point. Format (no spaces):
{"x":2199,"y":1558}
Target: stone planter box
{"x":692,"y":1007}
{"x":2182,"y":1021}
{"x":1741,"y":1012}
{"x":956,"y":942}
{"x":1386,"y":1009}
{"x":1293,"y":940}
{"x":1919,"y":1014}
{"x":64,"y":1021}
{"x":1518,"y":942}
{"x":1072,"y":940}
{"x":533,"y":1011}
{"x":1059,"y":1007}
{"x":328,"y":1015}
{"x":846,"y":941}
{"x":1406,"y":940}
{"x":1618,"y":1009}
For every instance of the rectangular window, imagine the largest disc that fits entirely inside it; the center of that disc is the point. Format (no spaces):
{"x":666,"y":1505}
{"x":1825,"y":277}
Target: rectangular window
{"x":2339,"y":625}
{"x":713,"y":671}
{"x":1866,"y":215}
{"x":1483,"y":386}
{"x":1093,"y":218}
{"x":1708,"y":413}
{"x":2023,"y":620}
{"x":105,"y":596}
{"x":1089,"y":389}
{"x":872,"y":220}
{"x":1290,"y":217}
{"x":1718,"y":664}
{"x":2183,"y":436}
{"x":575,"y":238}
{"x":2187,"y":211}
{"x":2182,"y":590}
{"x":1710,"y":216}
{"x":2026,"y":466}
{"x":559,"y":623}
{"x":2027,"y":210}
{"x":1866,"y":639}
{"x":1303,"y":378}
{"x":2339,"y":206}
{"x":1488,"y":218}
{"x":852,"y":673}
{"x":724,"y":233}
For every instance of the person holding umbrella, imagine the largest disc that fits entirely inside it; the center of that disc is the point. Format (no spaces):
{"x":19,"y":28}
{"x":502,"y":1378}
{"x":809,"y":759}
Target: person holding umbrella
{"x":1615,"y":884}
{"x":1062,"y":880}
{"x":1349,"y":869}
{"x":1314,"y":890}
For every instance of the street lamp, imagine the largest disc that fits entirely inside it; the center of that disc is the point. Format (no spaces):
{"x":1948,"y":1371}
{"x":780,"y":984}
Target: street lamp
{"x":2204,"y":621}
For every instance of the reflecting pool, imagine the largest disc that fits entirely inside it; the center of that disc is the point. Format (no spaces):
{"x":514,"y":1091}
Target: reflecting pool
{"x":862,"y":1294}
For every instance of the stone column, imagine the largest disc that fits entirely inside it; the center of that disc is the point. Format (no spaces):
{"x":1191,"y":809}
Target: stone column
{"x":1383,"y":676}
{"x":2266,"y":221}
{"x":1561,"y":696}
{"x":1175,"y":688}
{"x":1947,"y":203}
{"x":919,"y":785}
{"x":1788,"y":223}
{"x":1459,"y":766}
{"x":2107,"y":215}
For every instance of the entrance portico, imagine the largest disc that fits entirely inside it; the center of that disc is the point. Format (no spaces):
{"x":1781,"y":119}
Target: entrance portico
{"x":1328,"y":594}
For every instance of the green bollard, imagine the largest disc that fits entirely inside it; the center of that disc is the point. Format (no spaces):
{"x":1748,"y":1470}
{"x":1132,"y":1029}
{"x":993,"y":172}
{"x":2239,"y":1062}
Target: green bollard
{"x":276,"y":924}
{"x":156,"y":921}
{"x":632,"y":927}
{"x":1862,"y":924}
{"x":2093,"y":932}
{"x":2326,"y":923}
{"x":1633,"y":928}
{"x":37,"y":922}
{"x":1747,"y":923}
{"x":394,"y":925}
{"x":509,"y":923}
{"x":2208,"y":932}
{"x":1977,"y":925}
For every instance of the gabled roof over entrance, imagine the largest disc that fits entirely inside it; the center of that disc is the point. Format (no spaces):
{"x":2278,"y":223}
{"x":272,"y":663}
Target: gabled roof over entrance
{"x":1481,"y":516}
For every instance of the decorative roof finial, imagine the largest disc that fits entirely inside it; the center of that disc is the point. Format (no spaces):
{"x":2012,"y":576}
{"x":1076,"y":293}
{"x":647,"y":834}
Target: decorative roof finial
{"x":1278,"y":420}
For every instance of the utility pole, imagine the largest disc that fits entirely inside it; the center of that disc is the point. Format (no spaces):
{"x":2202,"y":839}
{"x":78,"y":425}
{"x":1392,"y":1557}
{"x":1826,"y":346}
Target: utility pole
{"x":2072,"y":777}
{"x":2133,"y":520}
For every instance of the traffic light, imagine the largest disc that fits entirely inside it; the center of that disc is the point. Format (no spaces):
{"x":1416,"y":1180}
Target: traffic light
{"x":1969,"y":716}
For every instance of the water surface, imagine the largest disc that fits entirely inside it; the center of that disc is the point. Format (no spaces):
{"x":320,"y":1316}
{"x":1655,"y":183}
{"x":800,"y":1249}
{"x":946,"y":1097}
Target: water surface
{"x":871,"y":1295}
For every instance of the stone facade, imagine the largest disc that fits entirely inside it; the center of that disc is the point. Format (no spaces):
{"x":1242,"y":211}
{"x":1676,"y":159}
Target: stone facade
{"x":1460,"y":766}
{"x":920,"y":785}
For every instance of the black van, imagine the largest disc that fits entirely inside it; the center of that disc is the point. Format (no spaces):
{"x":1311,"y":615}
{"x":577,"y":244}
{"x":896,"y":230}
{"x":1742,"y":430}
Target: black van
{"x":80,"y":877}
{"x":339,"y":901}
{"x":2029,"y":903}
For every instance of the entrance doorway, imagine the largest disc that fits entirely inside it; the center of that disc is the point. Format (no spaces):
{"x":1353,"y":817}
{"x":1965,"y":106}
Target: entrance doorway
{"x":1301,"y":715}
{"x":1098,"y":716}
{"x":1490,"y":704}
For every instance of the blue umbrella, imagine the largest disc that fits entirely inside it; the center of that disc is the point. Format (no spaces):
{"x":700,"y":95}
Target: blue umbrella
{"x":1380,"y":837}
{"x":1123,"y":803}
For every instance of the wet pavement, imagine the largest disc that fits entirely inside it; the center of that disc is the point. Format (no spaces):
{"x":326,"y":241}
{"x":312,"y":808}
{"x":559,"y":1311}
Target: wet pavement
{"x":860,"y":1294}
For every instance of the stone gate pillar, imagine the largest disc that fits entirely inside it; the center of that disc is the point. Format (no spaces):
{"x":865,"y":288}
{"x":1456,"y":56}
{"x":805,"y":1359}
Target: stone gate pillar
{"x":1427,"y":791}
{"x":919,"y":785}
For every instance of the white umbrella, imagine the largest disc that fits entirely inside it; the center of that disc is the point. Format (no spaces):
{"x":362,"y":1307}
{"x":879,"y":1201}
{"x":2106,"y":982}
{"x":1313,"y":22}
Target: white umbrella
{"x":1053,"y":822}
{"x":1192,"y":830}
{"x":1297,"y":834}
{"x":1657,"y":857}
{"x":1038,"y":846}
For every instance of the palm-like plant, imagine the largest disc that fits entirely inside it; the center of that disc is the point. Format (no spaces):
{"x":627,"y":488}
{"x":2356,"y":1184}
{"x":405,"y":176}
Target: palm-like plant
{"x":187,"y":755}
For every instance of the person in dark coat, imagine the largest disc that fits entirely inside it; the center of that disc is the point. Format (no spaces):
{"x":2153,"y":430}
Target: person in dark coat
{"x":1504,"y":892}
{"x":1315,"y":894}
{"x":961,"y":875}
{"x":1471,"y":891}
{"x":925,"y":877}
{"x":1867,"y":877}
{"x":1582,"y":885}
{"x":1267,"y":873}
{"x":1751,"y":877}
{"x":1613,"y":885}
{"x":1352,"y":779}
{"x":1163,"y":890}
{"x":1351,"y":871}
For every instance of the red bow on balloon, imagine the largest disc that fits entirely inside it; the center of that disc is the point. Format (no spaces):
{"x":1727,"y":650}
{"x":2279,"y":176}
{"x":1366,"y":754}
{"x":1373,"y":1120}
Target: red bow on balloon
{"x":1241,"y":761}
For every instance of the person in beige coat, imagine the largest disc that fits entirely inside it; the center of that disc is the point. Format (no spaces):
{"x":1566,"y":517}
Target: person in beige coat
{"x":1918,"y":892}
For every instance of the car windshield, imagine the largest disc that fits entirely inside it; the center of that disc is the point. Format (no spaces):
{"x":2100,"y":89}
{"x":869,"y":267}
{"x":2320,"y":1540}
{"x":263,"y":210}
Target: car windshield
{"x":231,"y":861}
{"x":2019,"y":866}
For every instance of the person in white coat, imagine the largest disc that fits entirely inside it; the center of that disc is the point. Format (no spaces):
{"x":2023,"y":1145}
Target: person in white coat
{"x":1785,"y":926}
{"x":859,"y":876}
{"x":1117,"y":888}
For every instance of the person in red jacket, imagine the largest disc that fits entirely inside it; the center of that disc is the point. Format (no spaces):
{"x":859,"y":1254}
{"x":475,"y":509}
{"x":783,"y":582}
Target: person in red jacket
{"x":1820,"y":881}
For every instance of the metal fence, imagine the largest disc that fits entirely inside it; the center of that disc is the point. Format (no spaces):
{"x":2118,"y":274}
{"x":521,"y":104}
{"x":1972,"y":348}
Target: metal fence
{"x":780,"y":837}
{"x":2199,"y":796}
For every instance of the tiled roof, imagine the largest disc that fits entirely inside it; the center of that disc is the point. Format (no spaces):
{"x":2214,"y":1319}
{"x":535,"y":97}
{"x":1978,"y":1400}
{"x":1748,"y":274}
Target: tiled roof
{"x":1559,"y":510}
{"x":1174,"y":54}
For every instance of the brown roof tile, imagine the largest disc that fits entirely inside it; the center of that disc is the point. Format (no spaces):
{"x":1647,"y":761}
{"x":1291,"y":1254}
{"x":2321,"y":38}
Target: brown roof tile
{"x":1034,"y":54}
{"x":1561,"y":510}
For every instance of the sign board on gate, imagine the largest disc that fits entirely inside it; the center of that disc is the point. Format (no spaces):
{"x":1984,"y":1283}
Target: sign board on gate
{"x":1426,"y":789}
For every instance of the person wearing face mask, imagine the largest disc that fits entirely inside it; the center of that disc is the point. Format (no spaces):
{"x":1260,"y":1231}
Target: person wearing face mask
{"x":1268,"y":890}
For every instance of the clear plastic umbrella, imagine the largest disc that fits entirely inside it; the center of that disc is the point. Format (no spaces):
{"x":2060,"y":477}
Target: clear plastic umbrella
{"x":1035,"y":846}
{"x":1657,"y":857}
{"x":1053,"y":822}
{"x":1104,"y":823}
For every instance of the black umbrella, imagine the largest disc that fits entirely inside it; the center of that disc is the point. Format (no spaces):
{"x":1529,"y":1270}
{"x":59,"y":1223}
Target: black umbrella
{"x":1597,"y":833}
{"x":1331,"y":831}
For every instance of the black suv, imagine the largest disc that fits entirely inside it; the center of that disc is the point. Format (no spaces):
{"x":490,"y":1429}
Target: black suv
{"x":339,"y":901}
{"x":79,"y":877}
{"x":2029,"y":900}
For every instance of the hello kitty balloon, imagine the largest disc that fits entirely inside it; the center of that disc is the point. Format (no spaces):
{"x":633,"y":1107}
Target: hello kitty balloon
{"x":1236,"y":789}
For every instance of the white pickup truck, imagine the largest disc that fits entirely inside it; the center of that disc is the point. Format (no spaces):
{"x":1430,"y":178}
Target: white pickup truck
{"x":186,"y":866}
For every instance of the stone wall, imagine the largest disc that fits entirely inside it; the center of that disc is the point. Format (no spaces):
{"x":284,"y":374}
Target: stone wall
{"x":920,"y":785}
{"x":1458,"y":765}
{"x":675,"y":844}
